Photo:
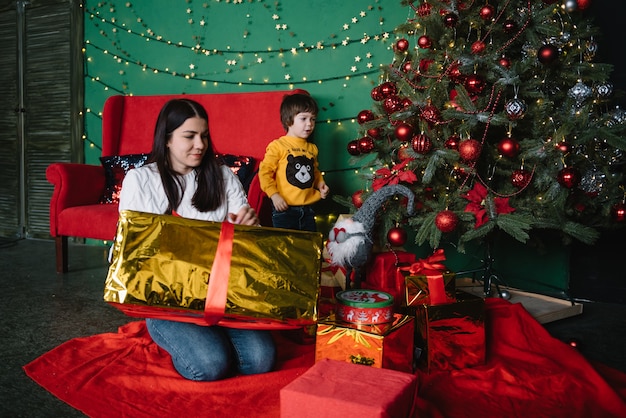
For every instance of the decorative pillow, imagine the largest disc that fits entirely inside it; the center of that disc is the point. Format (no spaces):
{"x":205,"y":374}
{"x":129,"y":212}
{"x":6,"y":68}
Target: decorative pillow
{"x":115,"y":169}
{"x":242,"y":166}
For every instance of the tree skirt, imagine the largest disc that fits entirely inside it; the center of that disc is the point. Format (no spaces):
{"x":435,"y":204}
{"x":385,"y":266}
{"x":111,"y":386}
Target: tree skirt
{"x":528,"y":373}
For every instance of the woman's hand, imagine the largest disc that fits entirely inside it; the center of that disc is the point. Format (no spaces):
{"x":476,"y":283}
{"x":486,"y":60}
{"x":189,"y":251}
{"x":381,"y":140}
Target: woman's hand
{"x":246,"y":216}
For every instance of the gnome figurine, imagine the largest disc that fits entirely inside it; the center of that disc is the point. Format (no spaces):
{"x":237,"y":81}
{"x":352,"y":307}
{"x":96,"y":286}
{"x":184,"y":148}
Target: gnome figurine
{"x":350,"y":241}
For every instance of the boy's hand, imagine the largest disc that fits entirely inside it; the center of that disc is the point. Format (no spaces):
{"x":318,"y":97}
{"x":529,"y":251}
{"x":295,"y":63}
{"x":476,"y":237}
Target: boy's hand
{"x":324,"y":190}
{"x":279,"y":203}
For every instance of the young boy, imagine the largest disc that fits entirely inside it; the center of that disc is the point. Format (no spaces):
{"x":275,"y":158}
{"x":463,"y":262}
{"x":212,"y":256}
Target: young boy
{"x":289,"y":172}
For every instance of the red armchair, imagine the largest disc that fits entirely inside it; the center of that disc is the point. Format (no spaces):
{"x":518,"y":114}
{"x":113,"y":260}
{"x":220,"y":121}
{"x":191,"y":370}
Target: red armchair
{"x":240,"y":124}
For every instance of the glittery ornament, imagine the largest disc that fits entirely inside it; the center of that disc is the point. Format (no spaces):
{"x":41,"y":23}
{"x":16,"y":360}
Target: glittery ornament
{"x":521,"y":178}
{"x":446,"y":221}
{"x":374,"y":132}
{"x":452,"y":142}
{"x":505,"y":62}
{"x":592,"y":182}
{"x":396,"y":236}
{"x":366,"y":145}
{"x":431,"y":114}
{"x":364,"y":116}
{"x":421,"y":144}
{"x":478,"y":47}
{"x":424,"y":9}
{"x":584,"y":4}
{"x":603,"y":90}
{"x":580,"y":92}
{"x":376,"y":94}
{"x":469,"y":150}
{"x":591,"y":48}
{"x":515,"y":108}
{"x":388,"y":88}
{"x":391,"y":104}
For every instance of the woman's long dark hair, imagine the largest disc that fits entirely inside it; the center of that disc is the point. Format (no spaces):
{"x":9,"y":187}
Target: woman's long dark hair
{"x":210,"y":193}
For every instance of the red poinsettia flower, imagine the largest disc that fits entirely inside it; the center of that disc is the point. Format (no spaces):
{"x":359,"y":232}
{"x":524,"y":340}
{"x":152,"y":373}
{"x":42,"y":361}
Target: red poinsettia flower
{"x":476,"y":204}
{"x":398,"y":173}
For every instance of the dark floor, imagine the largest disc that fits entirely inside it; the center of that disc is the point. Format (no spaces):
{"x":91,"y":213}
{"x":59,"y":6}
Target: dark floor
{"x":41,"y":309}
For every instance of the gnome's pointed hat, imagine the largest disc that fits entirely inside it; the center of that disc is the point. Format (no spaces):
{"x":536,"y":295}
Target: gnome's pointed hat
{"x":367,"y":212}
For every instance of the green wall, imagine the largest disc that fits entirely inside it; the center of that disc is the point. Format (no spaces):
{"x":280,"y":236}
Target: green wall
{"x":333,"y":49}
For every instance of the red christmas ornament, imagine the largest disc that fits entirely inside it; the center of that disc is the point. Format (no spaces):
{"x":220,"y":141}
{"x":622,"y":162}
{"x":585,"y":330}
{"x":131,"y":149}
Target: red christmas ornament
{"x":407,"y":67}
{"x":391,"y":104}
{"x":403,"y":132}
{"x":376,"y":94}
{"x":478,"y":47}
{"x":547,"y":54}
{"x":431,"y":114}
{"x":374,"y":132}
{"x":505,"y":62}
{"x":454,"y":74}
{"x":357,"y":198}
{"x":487,"y":12}
{"x":618,"y":212}
{"x":450,"y":20}
{"x":388,"y":88}
{"x":406,"y":102}
{"x":474,"y":84}
{"x":584,"y":4}
{"x":396,"y":236}
{"x":364,"y":116}
{"x":366,"y":145}
{"x":424,"y":42}
{"x":353,"y":147}
{"x":568,"y":177}
{"x":424,"y":9}
{"x":421,"y":144}
{"x":469,"y":150}
{"x":509,"y":26}
{"x":521,"y":178}
{"x":446,"y":221}
{"x":564,"y":147}
{"x":402,"y":45}
{"x":452,"y":142}
{"x":508,"y":147}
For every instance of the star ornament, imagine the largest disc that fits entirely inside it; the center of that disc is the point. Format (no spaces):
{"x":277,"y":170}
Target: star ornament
{"x":477,"y":197}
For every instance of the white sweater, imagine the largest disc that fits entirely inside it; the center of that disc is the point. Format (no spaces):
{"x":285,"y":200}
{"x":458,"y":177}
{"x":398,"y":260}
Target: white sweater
{"x":142,"y":191}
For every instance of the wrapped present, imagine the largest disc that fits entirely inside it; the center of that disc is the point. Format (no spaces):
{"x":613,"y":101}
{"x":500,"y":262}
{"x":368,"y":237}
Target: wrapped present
{"x":211,"y":273}
{"x":384,"y":273}
{"x":388,"y":345}
{"x":429,"y":282}
{"x":450,"y":336}
{"x":332,"y":389}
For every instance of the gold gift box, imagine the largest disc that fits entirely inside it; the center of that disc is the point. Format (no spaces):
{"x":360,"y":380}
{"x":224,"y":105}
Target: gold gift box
{"x":161,"y":267}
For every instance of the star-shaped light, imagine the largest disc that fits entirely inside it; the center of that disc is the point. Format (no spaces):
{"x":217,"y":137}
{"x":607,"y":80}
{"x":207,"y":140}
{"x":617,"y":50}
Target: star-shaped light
{"x":283,"y":26}
{"x":192,"y":66}
{"x":353,"y":68}
{"x":259,"y":60}
{"x":202,"y":22}
{"x":357,"y":59}
{"x":344,"y":42}
{"x":287,"y":77}
{"x":355,"y":20}
{"x":368,"y":55}
{"x":294,"y":51}
{"x":369,"y":65}
{"x":346,"y":26}
{"x":275,"y":17}
{"x":362,"y":14}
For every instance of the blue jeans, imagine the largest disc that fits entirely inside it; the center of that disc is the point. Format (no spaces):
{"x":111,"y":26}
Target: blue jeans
{"x":211,"y":353}
{"x":295,"y":217}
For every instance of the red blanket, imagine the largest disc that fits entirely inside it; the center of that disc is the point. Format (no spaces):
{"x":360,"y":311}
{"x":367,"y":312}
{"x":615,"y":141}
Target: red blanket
{"x":528,"y":373}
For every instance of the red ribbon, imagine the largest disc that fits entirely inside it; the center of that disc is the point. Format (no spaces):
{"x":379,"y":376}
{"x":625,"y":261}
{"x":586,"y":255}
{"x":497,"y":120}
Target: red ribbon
{"x":429,"y":263}
{"x":217,"y":290}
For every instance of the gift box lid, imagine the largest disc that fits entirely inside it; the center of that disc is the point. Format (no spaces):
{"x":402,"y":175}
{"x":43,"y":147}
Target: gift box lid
{"x":364,"y":298}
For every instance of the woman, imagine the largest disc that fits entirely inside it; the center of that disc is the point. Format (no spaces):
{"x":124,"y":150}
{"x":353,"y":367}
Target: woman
{"x":183,"y":177}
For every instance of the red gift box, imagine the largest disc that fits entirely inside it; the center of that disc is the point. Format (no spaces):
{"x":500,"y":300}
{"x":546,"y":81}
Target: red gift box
{"x":383,"y":273}
{"x":333,"y":388}
{"x":388,"y":346}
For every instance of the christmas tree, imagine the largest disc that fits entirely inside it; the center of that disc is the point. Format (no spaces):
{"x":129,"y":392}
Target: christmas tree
{"x":497,"y":117}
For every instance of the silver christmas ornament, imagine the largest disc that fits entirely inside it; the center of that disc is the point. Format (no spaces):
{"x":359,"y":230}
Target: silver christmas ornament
{"x":592,"y":181}
{"x":580,"y":92}
{"x":603,"y":90}
{"x":515,"y":108}
{"x":570,"y":5}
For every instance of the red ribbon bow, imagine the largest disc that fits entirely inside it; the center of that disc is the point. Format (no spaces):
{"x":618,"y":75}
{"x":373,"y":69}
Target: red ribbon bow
{"x":430,"y":263}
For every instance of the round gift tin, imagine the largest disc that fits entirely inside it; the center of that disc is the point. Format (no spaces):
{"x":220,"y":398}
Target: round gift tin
{"x":364,"y":306}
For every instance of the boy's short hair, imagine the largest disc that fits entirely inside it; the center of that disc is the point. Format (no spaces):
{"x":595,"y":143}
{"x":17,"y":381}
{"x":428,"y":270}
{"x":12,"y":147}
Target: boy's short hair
{"x":295,"y":103}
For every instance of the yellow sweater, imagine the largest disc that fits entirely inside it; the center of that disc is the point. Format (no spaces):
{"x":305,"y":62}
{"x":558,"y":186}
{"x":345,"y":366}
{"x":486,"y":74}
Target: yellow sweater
{"x":290,"y":168}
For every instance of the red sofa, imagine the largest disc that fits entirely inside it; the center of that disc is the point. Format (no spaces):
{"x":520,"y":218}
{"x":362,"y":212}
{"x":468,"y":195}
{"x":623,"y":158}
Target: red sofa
{"x":240,"y":124}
